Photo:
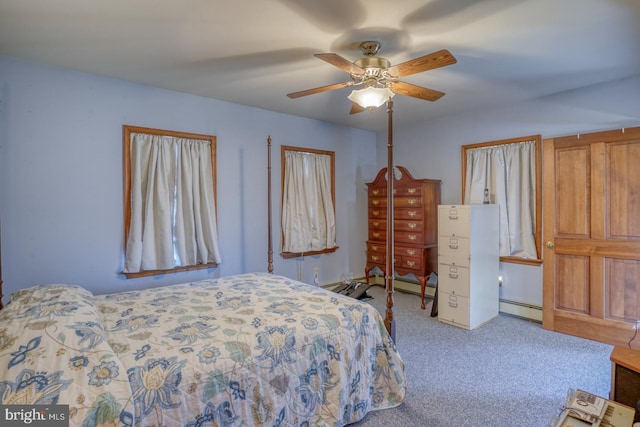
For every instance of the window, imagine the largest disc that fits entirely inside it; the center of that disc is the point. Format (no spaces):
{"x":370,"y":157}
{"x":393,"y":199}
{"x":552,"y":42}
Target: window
{"x":510,"y":171}
{"x":169,"y":201}
{"x":308,"y":202}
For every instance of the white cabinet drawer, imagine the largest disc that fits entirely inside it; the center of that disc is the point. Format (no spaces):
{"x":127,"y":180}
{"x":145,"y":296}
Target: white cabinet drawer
{"x":453,"y":246}
{"x":453,"y":221}
{"x":453,"y":309}
{"x":453,"y":279}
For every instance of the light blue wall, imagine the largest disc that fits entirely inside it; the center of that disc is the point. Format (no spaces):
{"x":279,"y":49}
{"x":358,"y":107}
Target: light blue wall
{"x":61,"y":173}
{"x":433,"y":149}
{"x":61,"y":178}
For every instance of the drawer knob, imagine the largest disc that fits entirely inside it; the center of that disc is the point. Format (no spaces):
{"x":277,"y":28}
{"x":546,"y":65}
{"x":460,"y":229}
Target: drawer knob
{"x":412,"y":225}
{"x":411,"y":263}
{"x":375,"y":202}
{"x":375,"y":213}
{"x":453,"y":217}
{"x":412,"y":201}
{"x":413,"y":237}
{"x":453,"y":276}
{"x":411,"y":252}
{"x":412,"y":213}
{"x":453,"y":246}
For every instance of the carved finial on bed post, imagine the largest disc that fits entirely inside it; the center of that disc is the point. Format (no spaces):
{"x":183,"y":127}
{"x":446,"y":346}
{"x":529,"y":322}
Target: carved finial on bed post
{"x":389,"y":322}
{"x":270,"y":252}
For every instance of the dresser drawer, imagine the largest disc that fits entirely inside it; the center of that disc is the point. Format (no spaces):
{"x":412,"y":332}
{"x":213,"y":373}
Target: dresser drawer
{"x":409,"y":258}
{"x":453,"y":309}
{"x":414,"y":238}
{"x":379,"y":235}
{"x":377,"y":224}
{"x":379,"y":247}
{"x":378,"y":192}
{"x":376,"y":253}
{"x":378,"y":202}
{"x":453,"y":221}
{"x":453,"y":279}
{"x":378,"y":212}
{"x":375,"y":258}
{"x":407,"y":202}
{"x":415,"y":214}
{"x":454,"y":246}
{"x":408,"y":252}
{"x":405,"y":263}
{"x":415,"y":226}
{"x":411,"y":190}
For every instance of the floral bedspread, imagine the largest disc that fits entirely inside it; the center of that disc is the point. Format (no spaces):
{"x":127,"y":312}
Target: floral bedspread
{"x":247,"y":350}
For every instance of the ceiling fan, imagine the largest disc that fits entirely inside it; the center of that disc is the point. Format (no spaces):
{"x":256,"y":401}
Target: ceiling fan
{"x":379,"y":77}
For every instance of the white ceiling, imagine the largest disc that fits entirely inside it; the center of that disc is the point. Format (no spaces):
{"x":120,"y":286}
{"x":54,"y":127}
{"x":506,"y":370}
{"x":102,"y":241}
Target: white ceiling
{"x":254,"y":52}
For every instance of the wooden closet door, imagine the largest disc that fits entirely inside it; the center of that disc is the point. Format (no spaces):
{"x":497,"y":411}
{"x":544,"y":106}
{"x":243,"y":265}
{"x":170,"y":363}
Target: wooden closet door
{"x":592,"y":235}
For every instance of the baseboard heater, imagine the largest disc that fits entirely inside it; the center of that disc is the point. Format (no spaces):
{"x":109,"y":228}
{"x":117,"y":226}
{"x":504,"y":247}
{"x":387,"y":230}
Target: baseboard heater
{"x":519,"y":309}
{"x":512,"y":308}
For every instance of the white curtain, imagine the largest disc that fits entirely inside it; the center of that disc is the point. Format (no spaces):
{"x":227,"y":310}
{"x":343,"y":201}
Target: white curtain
{"x":173,"y":220}
{"x":508,"y":172}
{"x":308,"y":216}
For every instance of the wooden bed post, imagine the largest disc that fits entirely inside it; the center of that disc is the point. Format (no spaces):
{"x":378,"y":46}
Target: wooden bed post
{"x":389,"y":321}
{"x":270,"y":253}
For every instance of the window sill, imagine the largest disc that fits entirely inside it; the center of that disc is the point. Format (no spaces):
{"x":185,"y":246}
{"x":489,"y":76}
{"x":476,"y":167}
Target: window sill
{"x":289,"y":255}
{"x":146,"y":273}
{"x":518,"y":260}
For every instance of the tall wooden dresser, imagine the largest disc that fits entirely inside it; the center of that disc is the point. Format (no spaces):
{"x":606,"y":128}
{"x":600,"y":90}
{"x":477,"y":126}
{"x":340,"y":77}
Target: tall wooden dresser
{"x":415,"y":206}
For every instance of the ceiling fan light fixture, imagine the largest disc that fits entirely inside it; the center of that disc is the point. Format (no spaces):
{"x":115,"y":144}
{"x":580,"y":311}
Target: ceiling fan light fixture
{"x":371,"y":97}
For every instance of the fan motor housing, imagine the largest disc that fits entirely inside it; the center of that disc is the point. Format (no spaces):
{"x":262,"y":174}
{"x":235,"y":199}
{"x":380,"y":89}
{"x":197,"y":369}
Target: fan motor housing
{"x":372,"y":62}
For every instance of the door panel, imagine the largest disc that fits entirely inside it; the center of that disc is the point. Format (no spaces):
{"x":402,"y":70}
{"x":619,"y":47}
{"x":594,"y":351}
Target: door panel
{"x":621,"y":277}
{"x":572,"y":278}
{"x":623,"y":161}
{"x":572,"y":195}
{"x":591,"y":223}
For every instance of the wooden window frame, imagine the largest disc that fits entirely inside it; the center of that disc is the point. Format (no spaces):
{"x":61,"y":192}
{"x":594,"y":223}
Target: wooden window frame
{"x":126,"y":168}
{"x":331,"y":154}
{"x":538,"y":207}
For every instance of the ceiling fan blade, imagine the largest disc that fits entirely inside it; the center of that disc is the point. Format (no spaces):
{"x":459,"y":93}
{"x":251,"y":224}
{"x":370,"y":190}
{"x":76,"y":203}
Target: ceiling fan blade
{"x":408,"y":89}
{"x":339,"y":62}
{"x":437,"y":59}
{"x":319,"y":89}
{"x":356,"y":108}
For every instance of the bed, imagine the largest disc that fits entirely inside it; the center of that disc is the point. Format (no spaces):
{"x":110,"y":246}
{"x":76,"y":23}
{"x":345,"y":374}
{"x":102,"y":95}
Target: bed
{"x":251,"y":349}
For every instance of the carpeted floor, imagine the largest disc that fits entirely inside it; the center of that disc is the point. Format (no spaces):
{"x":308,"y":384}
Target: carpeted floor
{"x":508,"y":372}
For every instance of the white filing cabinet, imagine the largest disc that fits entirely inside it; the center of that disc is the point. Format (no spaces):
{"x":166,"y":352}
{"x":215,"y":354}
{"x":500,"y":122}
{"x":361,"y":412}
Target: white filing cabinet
{"x":468,"y":264}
